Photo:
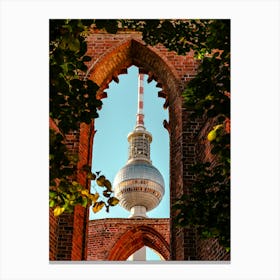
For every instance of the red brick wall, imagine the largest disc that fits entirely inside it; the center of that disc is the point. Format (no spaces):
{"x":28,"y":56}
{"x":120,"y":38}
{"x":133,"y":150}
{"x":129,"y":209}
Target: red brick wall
{"x":117,"y":239}
{"x":210,"y":250}
{"x":111,"y":55}
{"x":67,"y":232}
{"x":52,"y":235}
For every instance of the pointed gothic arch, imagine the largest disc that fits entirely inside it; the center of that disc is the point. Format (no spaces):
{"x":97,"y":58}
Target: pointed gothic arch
{"x":117,"y":238}
{"x":155,"y":64}
{"x":129,"y":52}
{"x":134,"y":239}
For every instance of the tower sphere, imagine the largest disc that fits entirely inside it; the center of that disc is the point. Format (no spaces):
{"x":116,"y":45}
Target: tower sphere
{"x":139,"y":183}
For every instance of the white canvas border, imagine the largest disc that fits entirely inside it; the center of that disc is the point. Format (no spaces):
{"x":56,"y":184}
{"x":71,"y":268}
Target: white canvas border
{"x":255,"y":138}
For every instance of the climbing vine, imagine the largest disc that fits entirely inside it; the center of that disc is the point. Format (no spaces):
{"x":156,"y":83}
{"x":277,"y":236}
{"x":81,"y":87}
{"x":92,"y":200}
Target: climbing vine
{"x":207,"y":207}
{"x":72,"y":101}
{"x":207,"y":96}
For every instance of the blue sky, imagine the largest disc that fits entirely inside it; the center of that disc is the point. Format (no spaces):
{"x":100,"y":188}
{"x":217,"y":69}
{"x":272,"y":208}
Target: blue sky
{"x":110,"y":149}
{"x":116,"y":119}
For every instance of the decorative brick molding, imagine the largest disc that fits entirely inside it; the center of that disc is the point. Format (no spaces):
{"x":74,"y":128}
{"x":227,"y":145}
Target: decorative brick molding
{"x":116,"y":239}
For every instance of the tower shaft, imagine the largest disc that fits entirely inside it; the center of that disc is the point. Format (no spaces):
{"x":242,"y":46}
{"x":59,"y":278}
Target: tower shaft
{"x":140,"y":112}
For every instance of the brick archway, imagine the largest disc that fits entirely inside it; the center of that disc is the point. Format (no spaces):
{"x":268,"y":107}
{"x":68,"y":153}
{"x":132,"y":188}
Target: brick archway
{"x":118,"y":52}
{"x":160,"y":65}
{"x":164,"y":67}
{"x":135,"y":239}
{"x":111,"y":55}
{"x":115,"y":239}
{"x":133,"y":52}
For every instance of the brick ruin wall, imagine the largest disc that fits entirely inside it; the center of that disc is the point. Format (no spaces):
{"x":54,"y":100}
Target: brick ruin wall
{"x":111,"y":55}
{"x":116,"y":239}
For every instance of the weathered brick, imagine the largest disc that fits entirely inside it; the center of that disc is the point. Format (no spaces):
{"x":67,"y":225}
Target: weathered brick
{"x":71,"y":235}
{"x":122,"y":237}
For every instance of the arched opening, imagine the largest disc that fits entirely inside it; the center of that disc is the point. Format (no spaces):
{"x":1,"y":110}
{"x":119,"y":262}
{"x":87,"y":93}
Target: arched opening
{"x":136,"y":238}
{"x":150,"y":255}
{"x":151,"y":62}
{"x":117,"y":119}
{"x":132,"y":52}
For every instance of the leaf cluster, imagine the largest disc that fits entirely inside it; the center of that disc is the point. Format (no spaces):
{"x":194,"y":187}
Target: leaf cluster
{"x":72,"y":96}
{"x":208,"y":93}
{"x":61,"y":165}
{"x":206,"y":96}
{"x":207,"y":208}
{"x":72,"y":101}
{"x":182,"y":36}
{"x":65,"y":196}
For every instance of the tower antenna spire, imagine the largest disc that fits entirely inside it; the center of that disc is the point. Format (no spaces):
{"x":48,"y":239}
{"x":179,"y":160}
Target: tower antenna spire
{"x":140,"y":112}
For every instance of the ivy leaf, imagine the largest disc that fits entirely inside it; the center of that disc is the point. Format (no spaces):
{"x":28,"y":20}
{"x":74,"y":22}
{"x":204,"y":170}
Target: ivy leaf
{"x":51,"y":203}
{"x":108,"y":185}
{"x":113,"y":201}
{"x":93,"y":197}
{"x":85,"y":192}
{"x":52,"y":194}
{"x":74,"y":45}
{"x":98,"y":206}
{"x":58,"y":211}
{"x":85,"y":201}
{"x":212,"y":135}
{"x":100,"y":180}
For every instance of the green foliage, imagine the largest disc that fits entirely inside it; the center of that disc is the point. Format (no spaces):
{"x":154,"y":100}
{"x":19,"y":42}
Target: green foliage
{"x":207,"y":94}
{"x":72,"y":101}
{"x":59,"y":158}
{"x":111,"y":26}
{"x":182,"y":36}
{"x":66,"y":195}
{"x":72,"y":96}
{"x":207,"y":207}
